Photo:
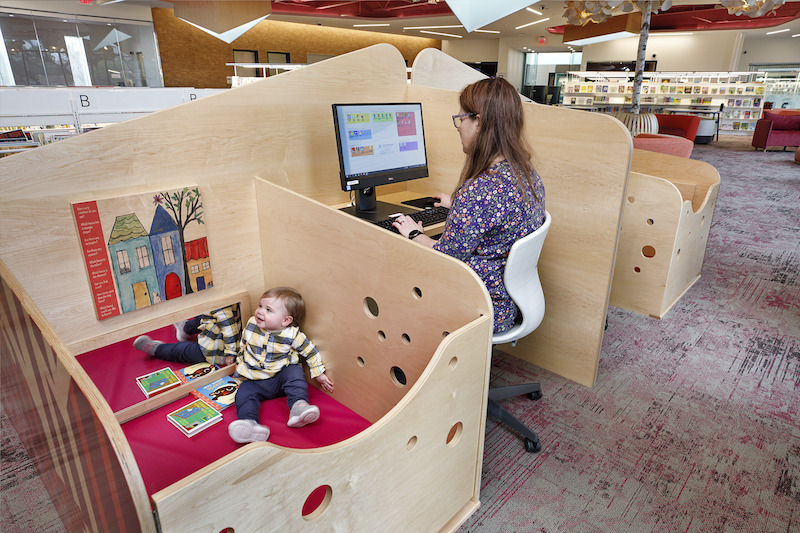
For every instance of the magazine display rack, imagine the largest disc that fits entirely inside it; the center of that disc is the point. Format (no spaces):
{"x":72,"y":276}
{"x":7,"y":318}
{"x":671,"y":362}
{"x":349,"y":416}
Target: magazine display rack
{"x":405,"y":331}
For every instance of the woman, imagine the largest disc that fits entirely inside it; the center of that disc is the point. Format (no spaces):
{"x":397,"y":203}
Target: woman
{"x":499,"y":197}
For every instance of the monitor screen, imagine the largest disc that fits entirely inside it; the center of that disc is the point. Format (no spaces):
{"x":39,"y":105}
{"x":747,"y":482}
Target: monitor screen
{"x":379,"y":144}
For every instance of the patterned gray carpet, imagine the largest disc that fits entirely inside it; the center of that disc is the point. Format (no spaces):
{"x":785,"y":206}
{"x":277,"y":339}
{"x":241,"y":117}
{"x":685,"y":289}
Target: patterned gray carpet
{"x":693,"y":424}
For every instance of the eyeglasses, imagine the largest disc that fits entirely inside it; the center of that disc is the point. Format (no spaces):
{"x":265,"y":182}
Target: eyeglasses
{"x":457,"y":119}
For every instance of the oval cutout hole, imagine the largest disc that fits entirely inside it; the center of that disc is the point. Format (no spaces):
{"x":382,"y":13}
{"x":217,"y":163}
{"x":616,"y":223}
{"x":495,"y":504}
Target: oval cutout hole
{"x":406,"y":338}
{"x":455,"y":434}
{"x":317,"y":502}
{"x":445,"y":334}
{"x":417,"y":293}
{"x":398,"y":376}
{"x":360,"y":361}
{"x":650,"y":222}
{"x":227,"y":530}
{"x":411,"y":442}
{"x":637,"y":269}
{"x":631,"y":199}
{"x":648,"y":251}
{"x":453,"y":362}
{"x":381,"y":335}
{"x":371,"y":307}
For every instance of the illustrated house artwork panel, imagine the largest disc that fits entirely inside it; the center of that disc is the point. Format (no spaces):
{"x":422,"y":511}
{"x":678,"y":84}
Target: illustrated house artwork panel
{"x":130,"y":268}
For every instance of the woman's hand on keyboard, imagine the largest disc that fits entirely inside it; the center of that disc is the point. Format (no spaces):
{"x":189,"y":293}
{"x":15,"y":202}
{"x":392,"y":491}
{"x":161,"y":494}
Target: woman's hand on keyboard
{"x":405,"y":225}
{"x":443,"y":200}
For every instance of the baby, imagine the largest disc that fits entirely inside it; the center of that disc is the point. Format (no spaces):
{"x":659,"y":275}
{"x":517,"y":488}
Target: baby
{"x":269,"y":359}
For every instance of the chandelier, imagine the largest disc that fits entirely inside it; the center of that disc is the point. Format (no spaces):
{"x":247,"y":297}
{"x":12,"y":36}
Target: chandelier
{"x":580,"y":13}
{"x":751,"y":8}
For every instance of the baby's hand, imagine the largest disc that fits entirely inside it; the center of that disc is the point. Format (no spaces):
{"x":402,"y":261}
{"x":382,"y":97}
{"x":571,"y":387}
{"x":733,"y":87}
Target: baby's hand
{"x":325,"y":382}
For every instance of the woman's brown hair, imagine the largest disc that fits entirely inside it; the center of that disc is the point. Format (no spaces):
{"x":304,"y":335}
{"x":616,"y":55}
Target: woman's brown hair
{"x":500,"y":133}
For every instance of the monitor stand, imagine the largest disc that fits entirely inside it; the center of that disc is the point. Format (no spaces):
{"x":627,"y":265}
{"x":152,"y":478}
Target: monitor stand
{"x":369,"y":208}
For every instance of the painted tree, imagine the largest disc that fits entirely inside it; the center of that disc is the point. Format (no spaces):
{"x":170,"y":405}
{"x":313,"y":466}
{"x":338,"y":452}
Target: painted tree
{"x":185,"y":207}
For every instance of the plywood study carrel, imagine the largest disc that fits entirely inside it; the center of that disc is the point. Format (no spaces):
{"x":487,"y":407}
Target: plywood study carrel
{"x":668,"y":210}
{"x":264,"y":159}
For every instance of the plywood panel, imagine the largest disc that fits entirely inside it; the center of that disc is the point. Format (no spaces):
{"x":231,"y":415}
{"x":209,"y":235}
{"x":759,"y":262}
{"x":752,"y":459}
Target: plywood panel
{"x":584,"y":160}
{"x":280,"y":129}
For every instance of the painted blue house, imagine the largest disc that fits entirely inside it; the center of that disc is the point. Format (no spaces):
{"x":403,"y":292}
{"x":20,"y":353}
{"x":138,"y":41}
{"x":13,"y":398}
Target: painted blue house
{"x":165,"y":242}
{"x":131,"y":258}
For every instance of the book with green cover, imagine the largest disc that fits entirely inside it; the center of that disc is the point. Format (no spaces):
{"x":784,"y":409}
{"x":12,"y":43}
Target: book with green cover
{"x":158,"y":381}
{"x":194,"y":417}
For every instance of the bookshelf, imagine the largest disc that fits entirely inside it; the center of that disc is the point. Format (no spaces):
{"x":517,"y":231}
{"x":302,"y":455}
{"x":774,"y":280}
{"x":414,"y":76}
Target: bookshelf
{"x":738,"y":97}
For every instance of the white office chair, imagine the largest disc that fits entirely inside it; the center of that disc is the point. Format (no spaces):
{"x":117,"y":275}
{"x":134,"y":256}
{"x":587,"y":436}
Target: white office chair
{"x":521,"y":279}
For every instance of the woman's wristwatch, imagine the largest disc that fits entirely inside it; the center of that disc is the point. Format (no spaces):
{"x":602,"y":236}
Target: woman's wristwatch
{"x":414,"y":234}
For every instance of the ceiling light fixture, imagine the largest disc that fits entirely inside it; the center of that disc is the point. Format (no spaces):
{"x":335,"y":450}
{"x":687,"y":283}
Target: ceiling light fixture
{"x":369,"y":25}
{"x":531,"y":23}
{"x":440,"y":33}
{"x":777,"y":31}
{"x":533,"y":11}
{"x":431,"y":27}
{"x":487,"y":31}
{"x":796,"y":35}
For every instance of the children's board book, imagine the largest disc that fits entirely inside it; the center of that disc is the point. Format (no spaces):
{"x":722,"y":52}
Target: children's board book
{"x":193,"y":418}
{"x":218,"y":394}
{"x":158,"y":382}
{"x":194,"y":371}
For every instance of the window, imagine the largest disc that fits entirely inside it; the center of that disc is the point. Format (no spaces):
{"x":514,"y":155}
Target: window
{"x":206,"y":265}
{"x":246,"y":56}
{"x":123,"y":262}
{"x":143,"y":256}
{"x":195,"y":269}
{"x":277,"y":57}
{"x":166,"y":247}
{"x":50,"y":49}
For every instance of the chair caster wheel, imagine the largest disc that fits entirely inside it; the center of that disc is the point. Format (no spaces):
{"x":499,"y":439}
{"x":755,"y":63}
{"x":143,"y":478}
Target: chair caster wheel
{"x":535,"y":395}
{"x":532,"y":447}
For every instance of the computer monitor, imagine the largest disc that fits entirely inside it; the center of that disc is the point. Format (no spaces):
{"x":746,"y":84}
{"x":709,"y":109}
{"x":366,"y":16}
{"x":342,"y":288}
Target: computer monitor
{"x":378,"y":144}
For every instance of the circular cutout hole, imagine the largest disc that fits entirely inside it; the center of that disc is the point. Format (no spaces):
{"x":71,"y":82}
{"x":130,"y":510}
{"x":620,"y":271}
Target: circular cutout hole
{"x":445,"y":334}
{"x":412,"y":442}
{"x":678,"y":254}
{"x":317,"y":502}
{"x":371,"y":307}
{"x":227,"y":530}
{"x":381,"y":335}
{"x":398,"y":376}
{"x":360,"y":361}
{"x":406,"y":338}
{"x":455,"y":434}
{"x":648,"y":251}
{"x":650,"y":222}
{"x":417,"y":292}
{"x":453,"y":362}
{"x":702,"y":221}
{"x":637,"y":269}
{"x":631,"y":199}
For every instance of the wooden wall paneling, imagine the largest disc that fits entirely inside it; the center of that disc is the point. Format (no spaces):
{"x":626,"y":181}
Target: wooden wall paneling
{"x":338,"y":261}
{"x":416,"y":469}
{"x":67,"y":428}
{"x":192,"y":58}
{"x":584,"y":160}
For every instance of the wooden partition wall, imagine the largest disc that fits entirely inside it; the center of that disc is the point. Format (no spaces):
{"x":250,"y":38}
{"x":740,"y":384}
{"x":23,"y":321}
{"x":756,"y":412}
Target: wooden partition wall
{"x":584,"y":161}
{"x":264,"y":158}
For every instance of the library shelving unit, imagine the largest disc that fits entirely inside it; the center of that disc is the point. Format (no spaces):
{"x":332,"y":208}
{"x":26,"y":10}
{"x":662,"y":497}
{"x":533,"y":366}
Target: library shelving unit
{"x":734,"y":99}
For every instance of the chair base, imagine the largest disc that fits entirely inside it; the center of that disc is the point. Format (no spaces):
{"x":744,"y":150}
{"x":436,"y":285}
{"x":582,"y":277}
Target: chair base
{"x":534,"y":392}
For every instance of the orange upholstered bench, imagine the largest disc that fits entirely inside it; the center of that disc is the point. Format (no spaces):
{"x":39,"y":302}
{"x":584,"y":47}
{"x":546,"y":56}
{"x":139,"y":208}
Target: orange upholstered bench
{"x":665,"y":144}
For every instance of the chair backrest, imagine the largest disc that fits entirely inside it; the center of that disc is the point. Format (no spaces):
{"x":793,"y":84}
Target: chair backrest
{"x":521,"y":279}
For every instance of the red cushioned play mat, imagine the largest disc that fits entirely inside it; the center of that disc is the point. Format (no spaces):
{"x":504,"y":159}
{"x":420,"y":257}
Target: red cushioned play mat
{"x":163,"y":453}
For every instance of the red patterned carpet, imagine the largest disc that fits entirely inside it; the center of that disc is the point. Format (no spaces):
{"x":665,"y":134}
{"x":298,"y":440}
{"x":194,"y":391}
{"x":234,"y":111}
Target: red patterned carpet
{"x":693,"y":424}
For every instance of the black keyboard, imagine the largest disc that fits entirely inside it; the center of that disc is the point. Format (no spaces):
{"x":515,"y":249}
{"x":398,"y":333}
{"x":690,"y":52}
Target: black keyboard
{"x":428,"y":217}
